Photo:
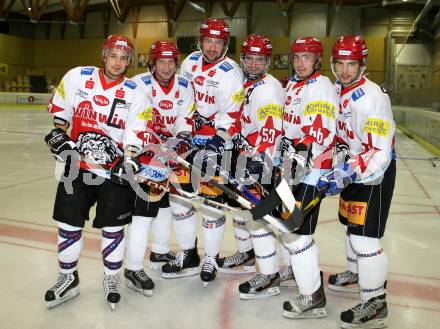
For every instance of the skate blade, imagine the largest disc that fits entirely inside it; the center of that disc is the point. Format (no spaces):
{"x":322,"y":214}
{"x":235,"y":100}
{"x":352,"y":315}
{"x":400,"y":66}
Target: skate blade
{"x":372,"y":324}
{"x":145,"y":292}
{"x":238,"y":270}
{"x":288,"y":284}
{"x":205,"y":284}
{"x":181,"y":274}
{"x":112,"y":306}
{"x":314,"y":313}
{"x":266,"y":293}
{"x":353,"y":288}
{"x":155,"y":266}
{"x":72,"y":293}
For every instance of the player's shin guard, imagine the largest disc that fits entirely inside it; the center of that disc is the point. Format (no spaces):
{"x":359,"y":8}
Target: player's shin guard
{"x":70,"y":243}
{"x":372,"y":266}
{"x":137,"y":239}
{"x":264,"y":242}
{"x":242,"y":235}
{"x":185,"y":223}
{"x":112,"y":249}
{"x":305,"y":262}
{"x":161,"y":229}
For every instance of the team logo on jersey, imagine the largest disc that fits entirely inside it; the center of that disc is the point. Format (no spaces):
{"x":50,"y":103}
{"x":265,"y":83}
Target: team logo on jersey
{"x":89,"y":84}
{"x":177,"y":95}
{"x":101,"y":100}
{"x":319,"y":107}
{"x":97,"y":148}
{"x":270,"y":110}
{"x":199,"y":80}
{"x":354,"y":211}
{"x":120,"y":93}
{"x":166,"y":104}
{"x":194,"y":68}
{"x":60,"y":90}
{"x":345,"y":103}
{"x":377,"y":127}
{"x":343,"y":127}
{"x":288,"y":100}
{"x":289,"y":117}
{"x":153,"y":92}
{"x":211,"y":73}
{"x":238,"y":97}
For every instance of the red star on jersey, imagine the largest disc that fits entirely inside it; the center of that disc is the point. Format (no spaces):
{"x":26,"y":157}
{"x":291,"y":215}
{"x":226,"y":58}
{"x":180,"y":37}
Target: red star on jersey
{"x":317,"y":130}
{"x":268,"y":135}
{"x":364,"y":158}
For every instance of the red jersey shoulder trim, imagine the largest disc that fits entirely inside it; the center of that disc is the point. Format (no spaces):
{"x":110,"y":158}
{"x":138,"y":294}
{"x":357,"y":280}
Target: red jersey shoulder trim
{"x":357,"y":84}
{"x":303,"y":82}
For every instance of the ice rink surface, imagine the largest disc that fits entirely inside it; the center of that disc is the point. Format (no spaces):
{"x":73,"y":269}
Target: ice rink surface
{"x":28,"y":256}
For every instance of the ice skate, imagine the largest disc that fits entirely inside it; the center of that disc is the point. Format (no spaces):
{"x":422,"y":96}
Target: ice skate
{"x":260,"y":286}
{"x":209,"y":270}
{"x":240,"y":262}
{"x":345,"y":282}
{"x":66,"y":287}
{"x":111,"y":285}
{"x":139,"y":281}
{"x":156,"y":259}
{"x":186,"y":264}
{"x":370,"y":315}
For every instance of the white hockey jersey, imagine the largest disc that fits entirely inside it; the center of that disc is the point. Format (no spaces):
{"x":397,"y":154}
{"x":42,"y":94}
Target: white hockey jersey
{"x":366,"y":124}
{"x":172,"y":107}
{"x":218,"y":92}
{"x":104,"y":117}
{"x":262,"y":116}
{"x":310,"y":111}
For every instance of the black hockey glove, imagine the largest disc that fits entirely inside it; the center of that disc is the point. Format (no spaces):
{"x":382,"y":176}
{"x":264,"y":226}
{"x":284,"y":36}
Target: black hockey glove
{"x":212,"y":152}
{"x":296,"y":162}
{"x":124,"y":170}
{"x":60,"y":144}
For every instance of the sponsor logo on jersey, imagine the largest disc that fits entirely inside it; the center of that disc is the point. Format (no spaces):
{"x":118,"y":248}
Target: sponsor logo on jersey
{"x":212,"y":83}
{"x":120,"y":93}
{"x":345,"y":103}
{"x":81,"y":93}
{"x":146,"y":79}
{"x":202,"y":97}
{"x":146,"y":115}
{"x":211,"y":73}
{"x":154,"y":173}
{"x":89,"y":84}
{"x":60,"y":90}
{"x":87,"y":70}
{"x":166,"y":104}
{"x":225,"y":67}
{"x":161,"y":120}
{"x":288,"y":100}
{"x":238,"y":97}
{"x":273,"y":110}
{"x":177,"y":94}
{"x":195,"y":57}
{"x":130,"y":84}
{"x":319,"y":107}
{"x":200,"y":80}
{"x":354,"y":211}
{"x":357,"y":94}
{"x":194,"y":68}
{"x":200,"y":140}
{"x":289,"y":117}
{"x":101,"y":100}
{"x":377,"y":127}
{"x":182,"y":81}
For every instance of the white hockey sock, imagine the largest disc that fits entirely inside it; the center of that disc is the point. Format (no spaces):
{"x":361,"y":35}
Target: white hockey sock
{"x":352,"y":265}
{"x":285,"y":254}
{"x":242,"y":235}
{"x":372,"y":266}
{"x":112,"y":248}
{"x":137,"y":240}
{"x":185,"y":223}
{"x":264,"y":242}
{"x":70,"y":243}
{"x":305,"y":262}
{"x":214,"y":222}
{"x":161,"y":229}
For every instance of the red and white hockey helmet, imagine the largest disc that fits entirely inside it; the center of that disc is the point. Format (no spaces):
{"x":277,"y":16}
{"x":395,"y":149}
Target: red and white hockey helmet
{"x":116,"y":41}
{"x":256,"y":44}
{"x":214,"y":28}
{"x":164,"y":49}
{"x":350,"y":47}
{"x":307,"y":45}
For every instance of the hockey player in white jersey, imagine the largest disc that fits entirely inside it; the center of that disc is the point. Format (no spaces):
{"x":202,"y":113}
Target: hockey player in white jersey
{"x":103,"y":111}
{"x":309,"y":128}
{"x":259,"y":140}
{"x":218,"y":90}
{"x":365,"y":178}
{"x":170,"y":117}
